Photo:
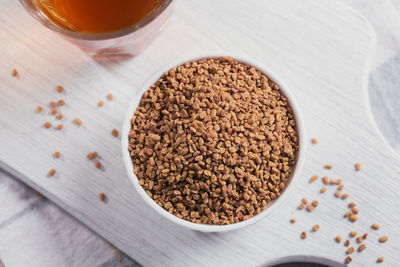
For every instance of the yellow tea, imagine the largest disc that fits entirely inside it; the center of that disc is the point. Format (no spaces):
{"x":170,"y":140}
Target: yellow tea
{"x":97,"y":16}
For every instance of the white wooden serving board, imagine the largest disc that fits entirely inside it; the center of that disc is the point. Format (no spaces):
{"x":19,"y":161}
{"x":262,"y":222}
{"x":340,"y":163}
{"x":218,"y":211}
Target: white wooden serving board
{"x":321,"y":49}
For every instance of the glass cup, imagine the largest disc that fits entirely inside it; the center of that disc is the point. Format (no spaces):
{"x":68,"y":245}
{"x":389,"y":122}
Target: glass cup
{"x":131,"y":40}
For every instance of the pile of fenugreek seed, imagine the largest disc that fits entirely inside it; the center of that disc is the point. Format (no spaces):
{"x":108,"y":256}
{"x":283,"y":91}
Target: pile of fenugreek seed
{"x":213,"y":141}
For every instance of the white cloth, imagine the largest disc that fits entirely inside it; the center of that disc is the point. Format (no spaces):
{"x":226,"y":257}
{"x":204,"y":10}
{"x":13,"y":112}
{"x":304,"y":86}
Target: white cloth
{"x":34,"y":232}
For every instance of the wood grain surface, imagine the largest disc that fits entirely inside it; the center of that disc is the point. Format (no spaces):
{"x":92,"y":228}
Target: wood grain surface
{"x":320,"y":49}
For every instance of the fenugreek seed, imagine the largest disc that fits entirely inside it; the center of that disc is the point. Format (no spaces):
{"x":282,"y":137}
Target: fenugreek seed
{"x":102,"y":196}
{"x":354,"y":210}
{"x":59,"y":116}
{"x":340,"y":187}
{"x":14,"y":73}
{"x":325,"y":180}
{"x":47,"y":124}
{"x":110,"y":97}
{"x":328,"y":166}
{"x":352,"y":205}
{"x":100,"y":104}
{"x":348,"y":214}
{"x":347,"y":243}
{"x":301,"y":206}
{"x":344,"y":196}
{"x":60,"y":126}
{"x":353,"y":218}
{"x":39,"y":109}
{"x":348,"y":260}
{"x":314,"y":203}
{"x":304,"y":201}
{"x":98,"y":164}
{"x":380,"y":259}
{"x":350,"y":250}
{"x":78,"y":122}
{"x":358,"y":166}
{"x":362,"y":247}
{"x":303,"y":235}
{"x":314,"y":141}
{"x":353,"y":233}
{"x":52,"y":172}
{"x":60,"y":89}
{"x":323,"y":190}
{"x":365,"y":236}
{"x":337,"y":194}
{"x":53,"y":104}
{"x":115,"y":133}
{"x":54,"y":111}
{"x":293,"y":220}
{"x":315,"y":228}
{"x":383,"y":239}
{"x":338,"y":239}
{"x":312,"y":179}
{"x":375,"y":226}
{"x":360,"y":239}
{"x":310,"y":207}
{"x":57,"y":154}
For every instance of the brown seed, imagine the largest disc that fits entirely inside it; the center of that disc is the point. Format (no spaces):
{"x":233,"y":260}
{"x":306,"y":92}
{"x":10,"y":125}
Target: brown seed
{"x":303,"y":235}
{"x":340,"y":187}
{"x":353,"y":233}
{"x":352,"y":205}
{"x":115,"y":133}
{"x":344,"y":196}
{"x":323,"y":190}
{"x":362,"y":247}
{"x":78,"y":121}
{"x":358,"y":166}
{"x":60,"y":102}
{"x":98,"y":164}
{"x":60,"y":126}
{"x":360,"y":239}
{"x":383,"y":239}
{"x":53,"y":104}
{"x":315,"y":228}
{"x":314,"y":140}
{"x":325,"y":180}
{"x":365,"y":236}
{"x":315,"y":203}
{"x":350,"y":250}
{"x":100,"y":104}
{"x":60,"y":89}
{"x":52,"y":172}
{"x":14,"y":73}
{"x":57,"y":154}
{"x":92,"y":155}
{"x":328,"y":166}
{"x":110,"y":97}
{"x":338,"y":239}
{"x":102,"y":196}
{"x":347,"y":243}
{"x":59,"y":116}
{"x":301,"y":206}
{"x":375,"y":226}
{"x":380,"y":259}
{"x":39,"y":109}
{"x":354,"y":210}
{"x":293,"y":220}
{"x":310,"y":208}
{"x":54,"y":111}
{"x":304,"y":201}
{"x":353,"y":218}
{"x":348,"y":259}
{"x":312,"y":179}
{"x":337,"y":194}
{"x":348,"y":214}
{"x":47,"y":125}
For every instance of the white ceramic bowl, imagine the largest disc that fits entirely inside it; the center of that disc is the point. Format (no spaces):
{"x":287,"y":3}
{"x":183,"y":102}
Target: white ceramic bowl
{"x":205,"y":227}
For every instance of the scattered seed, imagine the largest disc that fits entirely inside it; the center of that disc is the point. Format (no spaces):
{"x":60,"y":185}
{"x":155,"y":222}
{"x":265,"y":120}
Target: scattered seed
{"x":338,"y":239}
{"x":360,"y":239}
{"x":375,"y":226}
{"x":78,"y":121}
{"x":312,"y":179}
{"x":353,"y":233}
{"x":98,"y":164}
{"x":314,"y":140}
{"x":347,"y":243}
{"x":115,"y":133}
{"x":59,"y":116}
{"x":102,"y":196}
{"x":52,"y":172}
{"x":323,"y":190}
{"x":344,"y":196}
{"x":358,"y":166}
{"x":350,"y":250}
{"x":303,"y":235}
{"x":352,"y":205}
{"x":54,"y":111}
{"x":354,"y":210}
{"x":47,"y":124}
{"x":362,"y":247}
{"x":353,"y":218}
{"x":53,"y":104}
{"x":57,"y":154}
{"x":60,"y":126}
{"x":60,"y":89}
{"x":348,"y":259}
{"x":380,"y":259}
{"x":340,"y":187}
{"x":39,"y":109}
{"x":337,"y":194}
{"x":315,"y":228}
{"x":304,"y":201}
{"x":328,"y":166}
{"x":110,"y":97}
{"x":60,"y":102}
{"x":100,"y":104}
{"x":15,"y":73}
{"x":92,"y":155}
{"x":325,"y":180}
{"x":348,"y":214}
{"x":315,"y":203}
{"x":310,"y":208}
{"x":365,"y":236}
{"x":301,"y":206}
{"x":383,"y":239}
{"x":293,"y":220}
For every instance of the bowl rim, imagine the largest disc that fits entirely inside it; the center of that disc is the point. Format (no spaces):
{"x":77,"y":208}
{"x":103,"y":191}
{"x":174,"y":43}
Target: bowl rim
{"x":273,"y":205}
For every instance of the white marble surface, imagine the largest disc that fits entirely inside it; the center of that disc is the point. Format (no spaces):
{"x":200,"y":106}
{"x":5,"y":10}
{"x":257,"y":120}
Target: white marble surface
{"x":63,"y":245}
